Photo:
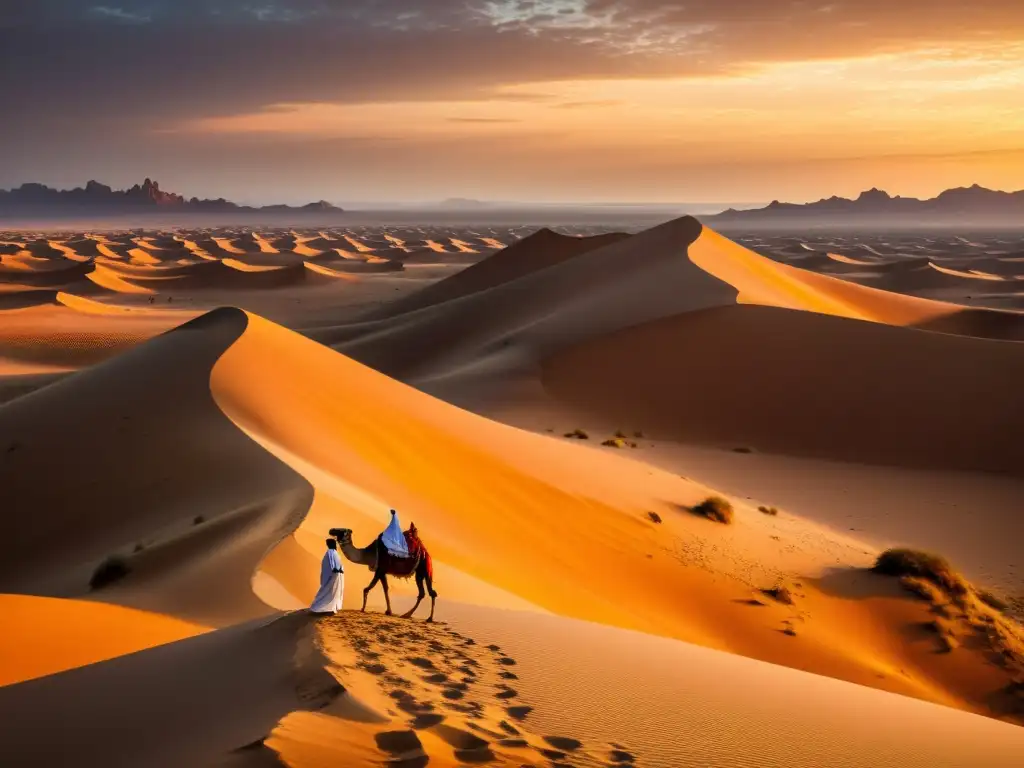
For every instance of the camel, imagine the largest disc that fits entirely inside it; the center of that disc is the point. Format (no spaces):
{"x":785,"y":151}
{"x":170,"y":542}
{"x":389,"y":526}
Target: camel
{"x":377,"y":559}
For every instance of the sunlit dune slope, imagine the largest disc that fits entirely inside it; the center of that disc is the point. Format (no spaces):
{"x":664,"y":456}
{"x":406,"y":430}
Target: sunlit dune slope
{"x":499,"y":505}
{"x":45,"y":635}
{"x":540,"y":250}
{"x":219,"y":453}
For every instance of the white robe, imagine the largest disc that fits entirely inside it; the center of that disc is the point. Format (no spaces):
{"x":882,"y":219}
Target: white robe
{"x":394,"y":539}
{"x":332,"y":585}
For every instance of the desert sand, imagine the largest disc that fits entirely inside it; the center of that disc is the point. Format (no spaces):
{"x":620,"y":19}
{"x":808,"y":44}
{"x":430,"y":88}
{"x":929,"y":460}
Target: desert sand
{"x":170,"y":469}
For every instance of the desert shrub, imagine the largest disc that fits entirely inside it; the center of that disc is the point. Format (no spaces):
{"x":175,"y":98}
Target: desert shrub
{"x":621,"y":435}
{"x":715,"y":508}
{"x":780,"y":594}
{"x":614,"y":442}
{"x":578,"y":434}
{"x":922,"y":565}
{"x":654,"y":516}
{"x":111,"y":570}
{"x":198,"y":520}
{"x":768,"y":511}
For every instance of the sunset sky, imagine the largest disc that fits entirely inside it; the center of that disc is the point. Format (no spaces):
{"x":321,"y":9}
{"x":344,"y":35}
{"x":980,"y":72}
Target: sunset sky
{"x":544,"y":100}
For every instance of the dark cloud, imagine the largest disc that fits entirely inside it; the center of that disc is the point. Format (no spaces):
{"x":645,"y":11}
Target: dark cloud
{"x":92,"y":78}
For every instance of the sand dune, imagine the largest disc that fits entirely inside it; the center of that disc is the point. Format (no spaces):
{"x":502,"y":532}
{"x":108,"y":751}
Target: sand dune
{"x":204,"y":465}
{"x":787,"y":382}
{"x":538,"y":251}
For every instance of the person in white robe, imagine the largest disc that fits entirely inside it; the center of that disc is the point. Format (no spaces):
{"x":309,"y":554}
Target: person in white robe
{"x":332,"y":582}
{"x":394,"y":539}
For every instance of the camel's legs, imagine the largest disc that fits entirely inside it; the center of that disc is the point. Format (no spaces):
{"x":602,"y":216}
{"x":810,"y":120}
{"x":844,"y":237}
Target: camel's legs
{"x":387,"y":598}
{"x":433,"y":595}
{"x":372,"y":584}
{"x":419,"y":598}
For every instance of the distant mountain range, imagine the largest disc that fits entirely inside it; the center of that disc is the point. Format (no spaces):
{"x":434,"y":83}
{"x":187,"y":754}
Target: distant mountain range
{"x":963,"y":205}
{"x":95,"y":199}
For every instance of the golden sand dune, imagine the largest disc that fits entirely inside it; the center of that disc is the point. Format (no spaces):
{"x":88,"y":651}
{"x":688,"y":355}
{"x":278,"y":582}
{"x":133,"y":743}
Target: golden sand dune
{"x":66,"y":634}
{"x":860,"y":262}
{"x":486,"y":493}
{"x":197,"y":472}
{"x":674,"y":268}
{"x":51,"y":274}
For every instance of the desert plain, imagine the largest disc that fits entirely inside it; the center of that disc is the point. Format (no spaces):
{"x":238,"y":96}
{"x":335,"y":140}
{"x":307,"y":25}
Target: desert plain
{"x":655,"y":469}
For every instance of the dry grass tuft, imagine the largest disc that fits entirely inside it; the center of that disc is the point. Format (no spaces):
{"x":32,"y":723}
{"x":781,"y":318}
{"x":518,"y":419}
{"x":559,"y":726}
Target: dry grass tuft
{"x":922,"y":565}
{"x":614,"y":442}
{"x":715,"y":508}
{"x":780,"y":594}
{"x":960,"y":610}
{"x":772,"y":511}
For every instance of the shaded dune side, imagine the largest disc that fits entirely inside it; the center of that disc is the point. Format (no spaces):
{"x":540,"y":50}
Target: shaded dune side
{"x":806,"y":384}
{"x":159,"y":454}
{"x":192,"y":702}
{"x":505,"y":328}
{"x":540,"y":250}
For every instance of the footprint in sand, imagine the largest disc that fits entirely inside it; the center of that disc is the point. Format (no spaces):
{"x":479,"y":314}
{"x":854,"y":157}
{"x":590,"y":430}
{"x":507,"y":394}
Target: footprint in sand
{"x":444,"y":684}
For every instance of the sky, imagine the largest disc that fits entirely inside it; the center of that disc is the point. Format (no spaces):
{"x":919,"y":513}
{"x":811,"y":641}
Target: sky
{"x":528,"y":100}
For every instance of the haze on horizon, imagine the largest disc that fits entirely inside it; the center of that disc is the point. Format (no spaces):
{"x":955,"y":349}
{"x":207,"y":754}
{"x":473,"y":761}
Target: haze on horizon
{"x":548,"y":100}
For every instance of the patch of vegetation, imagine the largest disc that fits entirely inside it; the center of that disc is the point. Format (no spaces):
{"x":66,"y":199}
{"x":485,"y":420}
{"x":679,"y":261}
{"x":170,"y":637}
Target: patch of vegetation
{"x":780,"y":594}
{"x":772,"y":511}
{"x":922,"y":565}
{"x":715,"y":508}
{"x":654,"y":516}
{"x":960,"y":610}
{"x":111,"y":570}
{"x":614,"y":442}
{"x":578,"y":434}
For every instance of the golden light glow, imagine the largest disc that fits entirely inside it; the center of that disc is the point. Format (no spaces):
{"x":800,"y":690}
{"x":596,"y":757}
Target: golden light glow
{"x":929,"y":108}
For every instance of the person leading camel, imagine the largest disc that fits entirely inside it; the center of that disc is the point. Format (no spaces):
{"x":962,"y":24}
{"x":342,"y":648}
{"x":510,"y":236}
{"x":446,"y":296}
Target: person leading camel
{"x":332,"y":582}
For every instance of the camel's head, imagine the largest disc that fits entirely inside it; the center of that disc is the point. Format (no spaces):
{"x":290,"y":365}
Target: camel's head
{"x":344,"y":535}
